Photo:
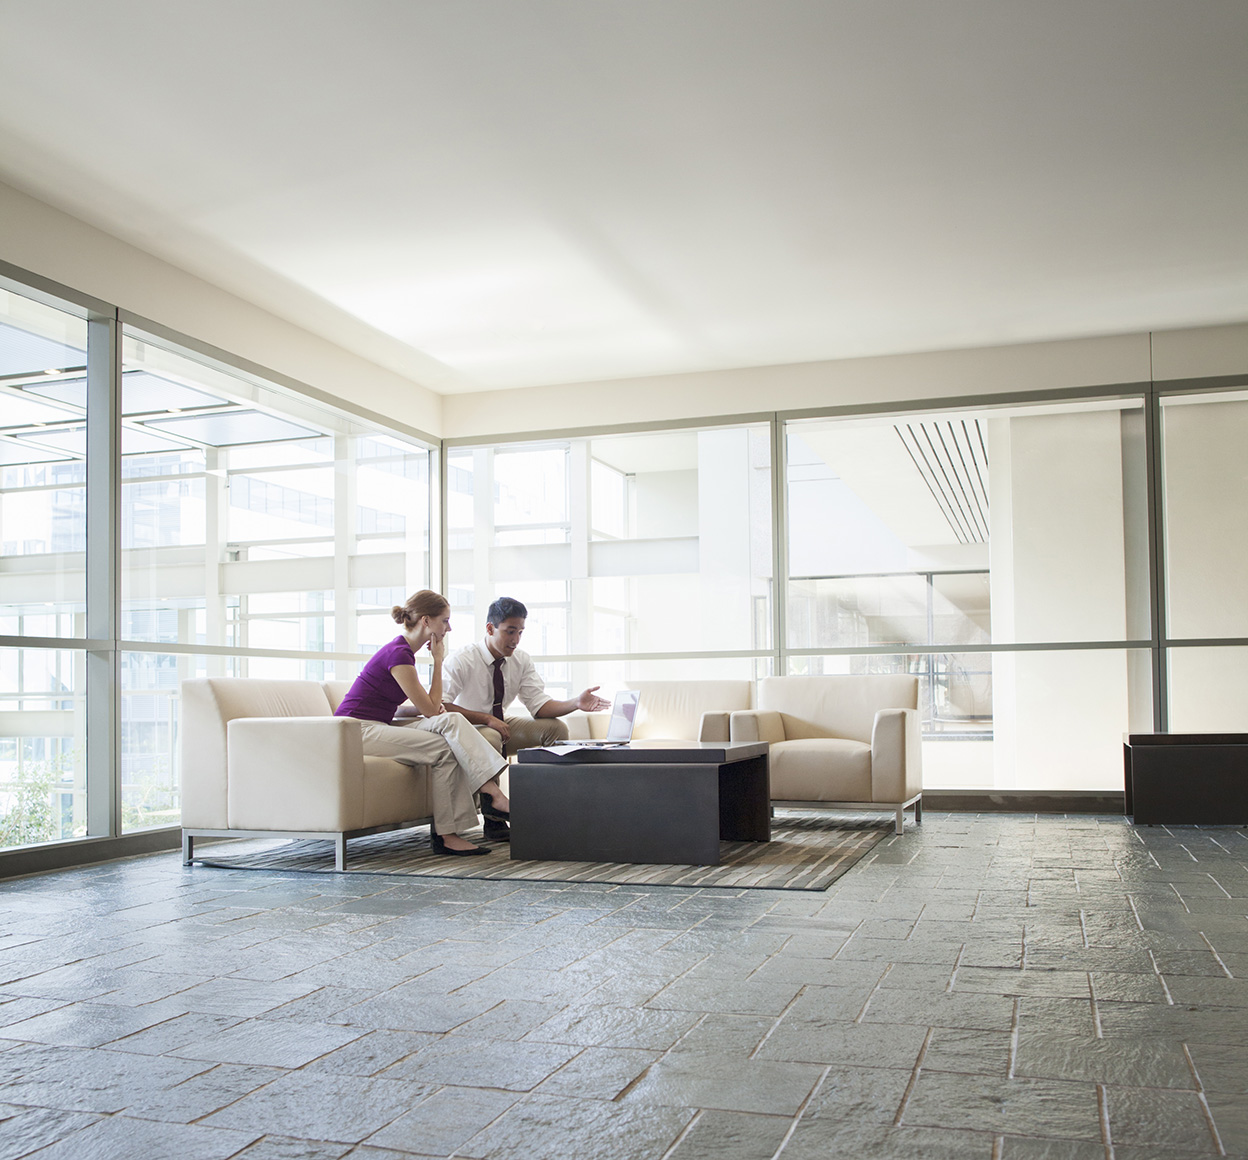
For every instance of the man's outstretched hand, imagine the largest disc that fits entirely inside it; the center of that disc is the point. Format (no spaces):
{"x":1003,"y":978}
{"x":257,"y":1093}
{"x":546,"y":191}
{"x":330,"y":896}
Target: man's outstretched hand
{"x":590,"y":702}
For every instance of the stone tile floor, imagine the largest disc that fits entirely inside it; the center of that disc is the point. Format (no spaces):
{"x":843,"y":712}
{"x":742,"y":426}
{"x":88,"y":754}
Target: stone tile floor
{"x":995,"y":986}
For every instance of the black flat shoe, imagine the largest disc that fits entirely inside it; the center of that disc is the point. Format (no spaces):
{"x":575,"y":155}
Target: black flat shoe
{"x":489,"y":810}
{"x":439,"y":846}
{"x":496,"y":831}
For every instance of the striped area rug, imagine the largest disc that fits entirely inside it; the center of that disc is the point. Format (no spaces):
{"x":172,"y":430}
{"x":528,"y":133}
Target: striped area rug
{"x":807,"y":851}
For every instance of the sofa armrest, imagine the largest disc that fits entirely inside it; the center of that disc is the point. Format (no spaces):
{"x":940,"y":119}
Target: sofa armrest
{"x":756,"y":725}
{"x":295,"y":773}
{"x":579,"y":727}
{"x":896,"y":755}
{"x":716,"y":725}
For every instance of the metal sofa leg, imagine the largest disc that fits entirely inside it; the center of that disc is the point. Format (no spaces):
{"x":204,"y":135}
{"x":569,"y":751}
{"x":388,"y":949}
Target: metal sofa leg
{"x":918,"y":812}
{"x":901,"y":819}
{"x":340,"y":852}
{"x":188,"y":849}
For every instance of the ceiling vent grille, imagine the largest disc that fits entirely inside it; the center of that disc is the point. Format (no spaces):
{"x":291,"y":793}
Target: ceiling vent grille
{"x":952,"y":458}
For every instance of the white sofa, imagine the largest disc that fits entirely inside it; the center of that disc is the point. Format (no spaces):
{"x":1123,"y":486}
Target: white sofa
{"x":849,"y":742}
{"x":269,"y":759}
{"x":682,"y":711}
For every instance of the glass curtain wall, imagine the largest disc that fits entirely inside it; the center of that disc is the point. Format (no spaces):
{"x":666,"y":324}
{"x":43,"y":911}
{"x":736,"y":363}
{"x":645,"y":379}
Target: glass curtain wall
{"x":43,"y":531}
{"x":1205,"y":513}
{"x":260,"y":533}
{"x":950,"y":546}
{"x":999,"y":553}
{"x":639,"y":556}
{"x":273,"y":530}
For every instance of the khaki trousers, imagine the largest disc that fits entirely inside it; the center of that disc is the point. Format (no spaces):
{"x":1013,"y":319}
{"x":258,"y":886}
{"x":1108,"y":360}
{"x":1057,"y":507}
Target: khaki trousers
{"x":526,"y":732}
{"x":459,"y":760}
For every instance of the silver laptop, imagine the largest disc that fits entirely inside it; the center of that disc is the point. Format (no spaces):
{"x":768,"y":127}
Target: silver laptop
{"x":623,"y":718}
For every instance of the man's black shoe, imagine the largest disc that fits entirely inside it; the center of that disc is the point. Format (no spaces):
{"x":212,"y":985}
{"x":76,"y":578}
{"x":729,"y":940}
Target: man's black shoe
{"x":496,"y":831}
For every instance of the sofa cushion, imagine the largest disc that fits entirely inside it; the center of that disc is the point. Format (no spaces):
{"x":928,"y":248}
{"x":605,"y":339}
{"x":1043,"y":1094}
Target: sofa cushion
{"x":394,"y":792}
{"x":835,"y":706}
{"x":334,"y":693}
{"x":821,"y":769}
{"x":672,"y":710}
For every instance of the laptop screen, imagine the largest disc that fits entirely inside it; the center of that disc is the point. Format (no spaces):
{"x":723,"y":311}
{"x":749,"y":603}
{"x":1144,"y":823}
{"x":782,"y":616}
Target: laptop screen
{"x":620,"y":727}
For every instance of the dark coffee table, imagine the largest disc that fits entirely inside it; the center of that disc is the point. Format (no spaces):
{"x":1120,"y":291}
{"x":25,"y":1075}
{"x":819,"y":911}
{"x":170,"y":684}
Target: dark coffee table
{"x":639,"y":803}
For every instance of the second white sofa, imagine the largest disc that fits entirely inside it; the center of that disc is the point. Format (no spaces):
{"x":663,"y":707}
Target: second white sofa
{"x":840,"y":742}
{"x":685,"y":711}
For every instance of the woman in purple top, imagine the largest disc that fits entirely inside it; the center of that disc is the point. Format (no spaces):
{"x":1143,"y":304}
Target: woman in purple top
{"x":461,"y":762}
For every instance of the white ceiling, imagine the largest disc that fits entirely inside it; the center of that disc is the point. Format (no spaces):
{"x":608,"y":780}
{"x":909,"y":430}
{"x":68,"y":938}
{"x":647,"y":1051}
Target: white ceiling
{"x":498,"y":193}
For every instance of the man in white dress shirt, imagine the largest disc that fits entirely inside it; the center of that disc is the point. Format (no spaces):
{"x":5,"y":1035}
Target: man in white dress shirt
{"x":483,"y":678}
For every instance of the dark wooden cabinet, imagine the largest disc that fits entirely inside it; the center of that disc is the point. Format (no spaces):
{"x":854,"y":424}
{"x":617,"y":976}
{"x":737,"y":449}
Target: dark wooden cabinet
{"x":1186,"y":779}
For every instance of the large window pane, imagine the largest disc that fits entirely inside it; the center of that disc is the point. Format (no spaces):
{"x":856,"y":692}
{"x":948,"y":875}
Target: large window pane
{"x":1206,"y":515}
{"x":151,"y":704}
{"x":43,"y":469}
{"x":1208,"y":689}
{"x":255,"y":519}
{"x":652,"y":543}
{"x":1027,"y":720}
{"x":1003,"y":525}
{"x":43,"y":796}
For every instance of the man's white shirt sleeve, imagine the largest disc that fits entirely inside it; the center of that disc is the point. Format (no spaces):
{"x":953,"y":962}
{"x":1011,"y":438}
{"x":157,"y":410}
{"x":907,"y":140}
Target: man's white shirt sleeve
{"x":532,"y":690}
{"x":457,"y":683}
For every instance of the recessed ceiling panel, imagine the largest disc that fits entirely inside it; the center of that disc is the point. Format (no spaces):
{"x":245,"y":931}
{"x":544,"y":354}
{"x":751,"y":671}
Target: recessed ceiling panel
{"x":233,"y":427}
{"x":141,"y":441}
{"x":16,"y":410}
{"x":71,"y":440}
{"x":13,"y":453}
{"x":141,"y":394}
{"x":23,"y":353}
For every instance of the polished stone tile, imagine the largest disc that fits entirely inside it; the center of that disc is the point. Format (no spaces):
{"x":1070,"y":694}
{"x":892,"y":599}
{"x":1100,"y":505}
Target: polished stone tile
{"x":632,"y":1021}
{"x":202,"y":1094}
{"x":1030,"y":1148}
{"x":612,"y":1026}
{"x":823,"y":1139}
{"x":543,"y":1127}
{"x":1154,"y":1064}
{"x":1158,"y":1119}
{"x":269,"y":1043}
{"x":966,"y":1010}
{"x":444,"y":1122}
{"x":599,"y":1073}
{"x":83,"y":1025}
{"x":742,"y":998}
{"x":24,"y":1130}
{"x":228,"y":996}
{"x":972,"y":1052}
{"x":124,"y":1138}
{"x":692,"y":1079}
{"x":1050,"y":983}
{"x":319,"y":1107}
{"x":410,"y":1007}
{"x":1035,"y":1107}
{"x":715,"y":1135}
{"x":465,"y":1061}
{"x":844,"y":1044}
{"x":735,"y":1035}
{"x":289,"y":1148}
{"x":86,"y":1080}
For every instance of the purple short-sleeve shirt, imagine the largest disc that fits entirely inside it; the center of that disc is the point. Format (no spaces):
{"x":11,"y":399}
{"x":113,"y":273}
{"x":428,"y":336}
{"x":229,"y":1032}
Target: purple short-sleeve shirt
{"x":376,"y":695}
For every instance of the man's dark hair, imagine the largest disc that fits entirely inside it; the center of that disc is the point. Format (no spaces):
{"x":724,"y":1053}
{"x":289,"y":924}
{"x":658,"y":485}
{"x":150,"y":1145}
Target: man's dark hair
{"x":504,"y":608}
